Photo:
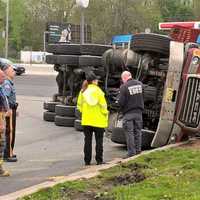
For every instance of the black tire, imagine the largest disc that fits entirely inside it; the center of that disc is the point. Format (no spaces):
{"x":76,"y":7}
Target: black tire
{"x":87,"y":60}
{"x":77,"y":125}
{"x":64,"y":49}
{"x":45,"y":105}
{"x":94,"y":49}
{"x":118,"y":136}
{"x":77,"y":114}
{"x":154,"y":43}
{"x":147,"y":137}
{"x":64,"y":121}
{"x":50,"y":106}
{"x":56,"y":97}
{"x":63,"y":110}
{"x":72,"y":60}
{"x":49,"y":116}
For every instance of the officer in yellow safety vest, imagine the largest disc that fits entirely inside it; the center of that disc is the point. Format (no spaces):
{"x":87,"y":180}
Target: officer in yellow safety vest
{"x":92,"y":104}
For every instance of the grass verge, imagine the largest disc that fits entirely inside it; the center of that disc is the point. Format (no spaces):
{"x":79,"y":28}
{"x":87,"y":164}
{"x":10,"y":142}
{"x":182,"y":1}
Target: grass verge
{"x":163,"y":175}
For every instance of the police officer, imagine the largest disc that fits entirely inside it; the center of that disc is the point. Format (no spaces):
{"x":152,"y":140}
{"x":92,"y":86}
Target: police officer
{"x":92,"y":104}
{"x":3,"y":109}
{"x":132,"y":104}
{"x":9,"y":91}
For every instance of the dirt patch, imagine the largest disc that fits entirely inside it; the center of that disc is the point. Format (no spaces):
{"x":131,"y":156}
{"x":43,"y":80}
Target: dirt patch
{"x":129,"y":178}
{"x":194,"y":144}
{"x":135,"y":176}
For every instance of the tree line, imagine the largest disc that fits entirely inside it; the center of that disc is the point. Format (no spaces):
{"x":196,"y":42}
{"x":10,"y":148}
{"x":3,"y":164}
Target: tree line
{"x":28,"y":18}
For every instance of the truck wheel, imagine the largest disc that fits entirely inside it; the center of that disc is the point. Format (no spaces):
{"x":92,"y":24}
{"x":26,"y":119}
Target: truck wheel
{"x":77,"y":125}
{"x":45,"y":105}
{"x":94,"y":49}
{"x":86,"y":60}
{"x":77,"y":114}
{"x":63,"y":110}
{"x":49,"y":116}
{"x":151,"y":42}
{"x":147,"y":137}
{"x":50,"y":106}
{"x":64,"y":121}
{"x":63,"y":59}
{"x":64,"y":49}
{"x":56,"y":97}
{"x":118,"y":135}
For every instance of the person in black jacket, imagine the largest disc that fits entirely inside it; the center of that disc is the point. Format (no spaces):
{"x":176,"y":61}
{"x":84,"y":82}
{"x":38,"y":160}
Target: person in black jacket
{"x":132,"y":104}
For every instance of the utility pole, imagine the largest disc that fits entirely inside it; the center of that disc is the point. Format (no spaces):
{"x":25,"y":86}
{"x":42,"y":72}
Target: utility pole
{"x":82,"y":35}
{"x":7,"y":29}
{"x":83,"y":4}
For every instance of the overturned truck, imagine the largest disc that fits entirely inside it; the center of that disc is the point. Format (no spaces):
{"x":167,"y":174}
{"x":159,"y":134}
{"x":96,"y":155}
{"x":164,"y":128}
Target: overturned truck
{"x":168,"y":66}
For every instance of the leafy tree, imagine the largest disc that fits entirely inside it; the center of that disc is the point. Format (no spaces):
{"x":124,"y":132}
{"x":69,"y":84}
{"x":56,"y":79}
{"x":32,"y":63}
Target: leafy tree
{"x":2,"y":27}
{"x":107,"y":18}
{"x":196,"y":8}
{"x":17,"y":19}
{"x":174,"y":10}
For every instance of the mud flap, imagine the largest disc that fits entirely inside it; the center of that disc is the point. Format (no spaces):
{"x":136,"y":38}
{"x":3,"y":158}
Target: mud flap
{"x":165,"y":125}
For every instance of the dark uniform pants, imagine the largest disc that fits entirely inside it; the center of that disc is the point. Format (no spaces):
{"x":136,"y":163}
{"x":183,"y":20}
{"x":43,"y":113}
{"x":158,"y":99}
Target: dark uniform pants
{"x":14,"y":114}
{"x":8,"y":137}
{"x":132,"y":124}
{"x":88,"y":132}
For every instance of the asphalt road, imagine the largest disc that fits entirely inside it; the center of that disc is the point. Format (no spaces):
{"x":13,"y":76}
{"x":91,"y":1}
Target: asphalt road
{"x":43,"y":149}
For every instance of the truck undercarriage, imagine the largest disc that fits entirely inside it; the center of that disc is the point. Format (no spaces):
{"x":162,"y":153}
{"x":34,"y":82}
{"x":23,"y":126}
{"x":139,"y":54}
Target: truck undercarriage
{"x":151,"y":58}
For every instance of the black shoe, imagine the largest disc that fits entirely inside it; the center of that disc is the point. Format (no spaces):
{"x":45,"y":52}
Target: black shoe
{"x":14,"y":156}
{"x":127,"y":156}
{"x":10,"y":159}
{"x":138,"y":152}
{"x":101,"y":163}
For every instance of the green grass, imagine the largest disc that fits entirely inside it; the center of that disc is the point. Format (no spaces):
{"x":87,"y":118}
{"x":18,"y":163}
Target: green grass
{"x":59,"y":191}
{"x":170,"y":175}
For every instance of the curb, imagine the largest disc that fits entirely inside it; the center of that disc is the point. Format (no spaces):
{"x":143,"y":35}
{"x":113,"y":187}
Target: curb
{"x":39,"y":69}
{"x":86,"y":173}
{"x":40,"y":73}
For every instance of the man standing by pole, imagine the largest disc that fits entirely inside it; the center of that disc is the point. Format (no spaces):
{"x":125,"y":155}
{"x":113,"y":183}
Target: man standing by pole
{"x":132,"y":104}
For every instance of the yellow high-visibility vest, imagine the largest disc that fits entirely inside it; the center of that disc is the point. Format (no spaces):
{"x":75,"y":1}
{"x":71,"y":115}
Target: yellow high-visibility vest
{"x":92,"y":104}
